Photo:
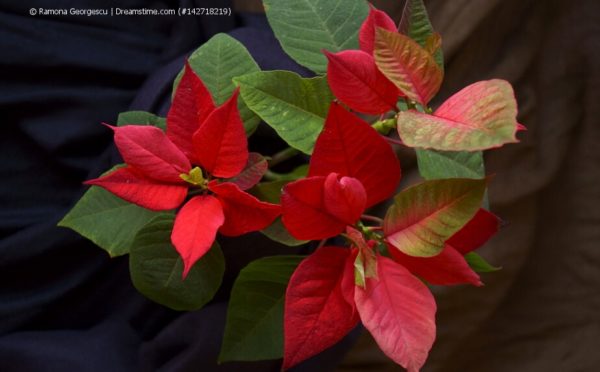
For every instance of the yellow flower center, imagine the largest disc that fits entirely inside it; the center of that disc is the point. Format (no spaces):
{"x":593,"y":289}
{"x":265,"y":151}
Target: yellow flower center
{"x":195,"y":177}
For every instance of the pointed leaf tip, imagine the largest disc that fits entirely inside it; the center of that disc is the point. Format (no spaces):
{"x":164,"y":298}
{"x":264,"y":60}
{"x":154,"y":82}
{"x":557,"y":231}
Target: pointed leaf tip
{"x":408,"y":65}
{"x":195,"y":228}
{"x":375,"y":19}
{"x":355,"y":80}
{"x":476,"y":232}
{"x":192,"y":104}
{"x":304,"y":28}
{"x":444,"y":207}
{"x":220,"y":144}
{"x":128,"y":184}
{"x":151,"y":152}
{"x":481,"y":116}
{"x":252,"y":173}
{"x":447,"y":268}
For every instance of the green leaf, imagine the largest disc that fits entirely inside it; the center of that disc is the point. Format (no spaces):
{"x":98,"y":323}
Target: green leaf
{"x":415,"y":23}
{"x":479,"y":264}
{"x":295,"y":107}
{"x":156,"y":269}
{"x":277,"y":232}
{"x":424,"y":216}
{"x":297,"y":173}
{"x":107,"y":220}
{"x":451,"y":164}
{"x":306,"y":27}
{"x":445,"y":164}
{"x":217,"y":62}
{"x":254,"y":328}
{"x":141,"y":118}
{"x":269,"y":191}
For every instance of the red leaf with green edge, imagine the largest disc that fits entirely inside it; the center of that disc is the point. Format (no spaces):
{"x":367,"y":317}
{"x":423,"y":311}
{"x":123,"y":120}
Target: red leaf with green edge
{"x":356,"y":81}
{"x":424,"y":216}
{"x":476,"y":232}
{"x":344,"y":198}
{"x":433,"y":43}
{"x":447,"y":268}
{"x":481,"y":116}
{"x":316,"y":314}
{"x":130,"y":185}
{"x":192,"y":103}
{"x":195,"y":229}
{"x":252,"y":173}
{"x":350,"y":147}
{"x":303,"y":210}
{"x":220,"y":145}
{"x":399,"y":311}
{"x":243,"y":212}
{"x":366,"y":35}
{"x":149,"y":151}
{"x":408,"y":65}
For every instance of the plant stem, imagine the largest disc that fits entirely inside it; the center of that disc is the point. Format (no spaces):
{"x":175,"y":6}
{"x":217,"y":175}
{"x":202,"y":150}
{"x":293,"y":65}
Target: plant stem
{"x":282,"y":156}
{"x":368,"y":217}
{"x":322,"y":243}
{"x":385,"y":126}
{"x":393,"y":141}
{"x":271,"y":176}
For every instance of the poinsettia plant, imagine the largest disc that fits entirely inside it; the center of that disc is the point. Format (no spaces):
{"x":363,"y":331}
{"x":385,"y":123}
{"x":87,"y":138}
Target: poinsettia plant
{"x":189,"y":178}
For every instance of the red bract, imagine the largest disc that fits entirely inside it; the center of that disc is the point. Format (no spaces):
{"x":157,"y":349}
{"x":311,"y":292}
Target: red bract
{"x":399,"y":311}
{"x":355,"y":80}
{"x":192,"y":103}
{"x":317,"y":314}
{"x":353,"y":75}
{"x":323,"y":304}
{"x":160,"y":170}
{"x":449,"y":267}
{"x":376,"y":19}
{"x":352,"y":168}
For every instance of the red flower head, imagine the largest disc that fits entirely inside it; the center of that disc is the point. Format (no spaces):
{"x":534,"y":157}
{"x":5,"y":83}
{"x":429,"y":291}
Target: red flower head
{"x":161,"y":171}
{"x":352,"y":168}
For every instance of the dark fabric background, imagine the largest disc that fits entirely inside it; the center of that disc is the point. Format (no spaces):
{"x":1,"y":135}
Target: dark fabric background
{"x":64,"y":305}
{"x":541,"y":312}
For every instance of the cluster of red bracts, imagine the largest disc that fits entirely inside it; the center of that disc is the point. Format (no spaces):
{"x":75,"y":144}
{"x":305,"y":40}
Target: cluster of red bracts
{"x":353,"y":168}
{"x":390,"y":65}
{"x":200,"y":158}
{"x":202,"y":166}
